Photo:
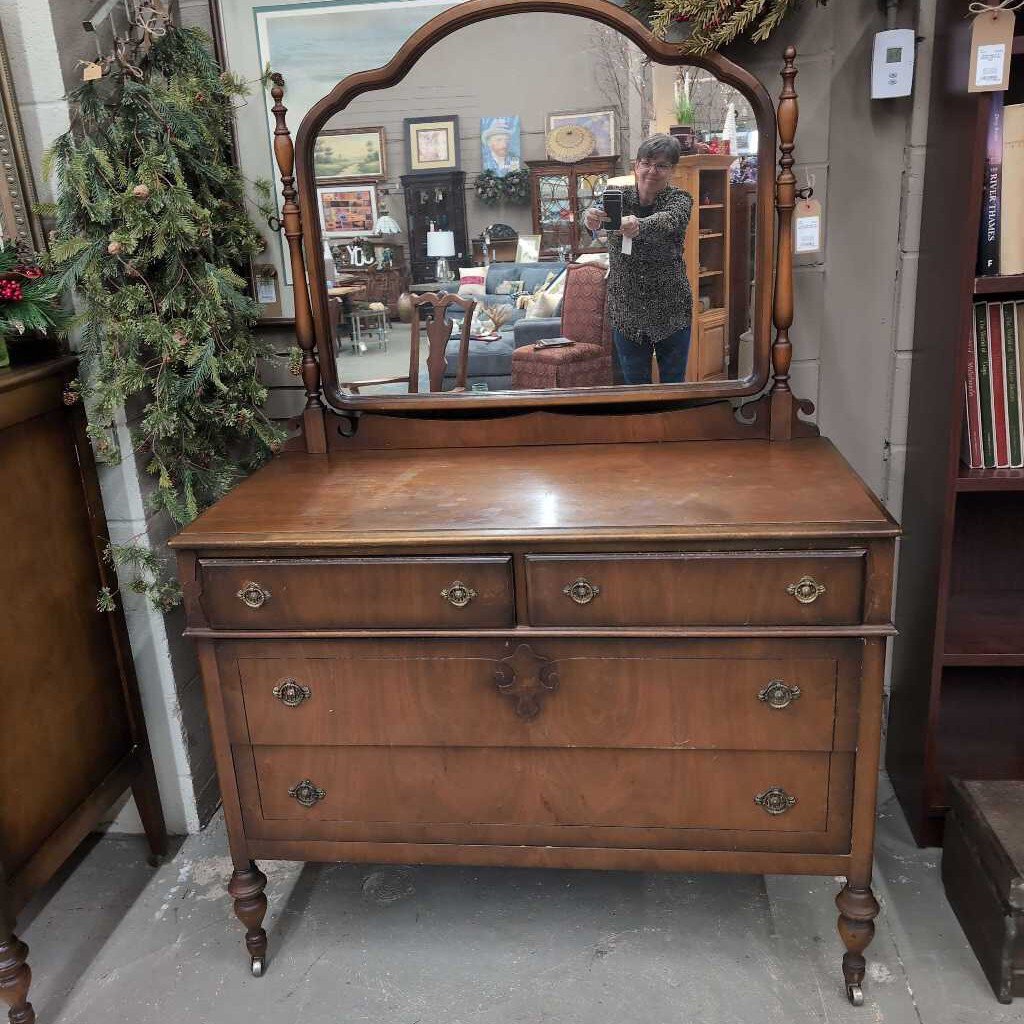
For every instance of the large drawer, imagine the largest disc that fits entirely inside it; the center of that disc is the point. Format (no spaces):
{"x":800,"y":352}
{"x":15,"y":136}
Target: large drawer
{"x":777,"y":792}
{"x":713,"y":588}
{"x":545,"y":694}
{"x":357,"y":593}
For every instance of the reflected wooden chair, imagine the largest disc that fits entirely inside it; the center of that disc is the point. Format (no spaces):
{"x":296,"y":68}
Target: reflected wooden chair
{"x":439,"y":332}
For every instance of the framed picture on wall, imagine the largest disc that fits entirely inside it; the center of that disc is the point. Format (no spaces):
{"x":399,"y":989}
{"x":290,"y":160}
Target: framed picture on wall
{"x":528,"y":249}
{"x":432,"y":143}
{"x":600,"y":122}
{"x":347,"y":211}
{"x":350,"y":153}
{"x":500,"y":149}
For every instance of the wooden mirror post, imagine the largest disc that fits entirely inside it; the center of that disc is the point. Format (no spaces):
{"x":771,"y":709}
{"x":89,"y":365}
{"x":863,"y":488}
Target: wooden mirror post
{"x":284,"y":152}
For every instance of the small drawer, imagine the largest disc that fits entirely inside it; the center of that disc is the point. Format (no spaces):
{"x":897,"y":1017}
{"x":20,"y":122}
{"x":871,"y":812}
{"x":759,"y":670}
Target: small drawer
{"x":541,"y":696}
{"x":714,"y":588}
{"x":544,"y":787}
{"x":357,"y":593}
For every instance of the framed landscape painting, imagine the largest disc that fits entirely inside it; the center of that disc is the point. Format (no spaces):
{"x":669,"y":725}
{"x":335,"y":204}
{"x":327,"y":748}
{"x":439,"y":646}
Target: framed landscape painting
{"x":432,"y":143}
{"x":600,"y":122}
{"x":350,"y":153}
{"x":347,"y":211}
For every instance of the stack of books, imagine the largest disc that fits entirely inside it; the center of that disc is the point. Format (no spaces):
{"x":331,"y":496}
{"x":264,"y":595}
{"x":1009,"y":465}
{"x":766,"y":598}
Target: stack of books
{"x":994,"y":427}
{"x":1001,"y":240}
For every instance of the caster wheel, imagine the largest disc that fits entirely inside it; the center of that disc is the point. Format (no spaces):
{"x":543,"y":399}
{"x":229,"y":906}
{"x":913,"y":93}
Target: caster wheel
{"x":257,"y":966}
{"x":855,"y":994}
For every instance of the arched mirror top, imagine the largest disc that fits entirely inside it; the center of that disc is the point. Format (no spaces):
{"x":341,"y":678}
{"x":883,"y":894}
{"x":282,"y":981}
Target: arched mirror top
{"x":725,"y":274}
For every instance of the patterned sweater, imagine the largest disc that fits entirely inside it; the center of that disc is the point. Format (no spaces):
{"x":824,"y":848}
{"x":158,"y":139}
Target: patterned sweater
{"x":648,"y":290}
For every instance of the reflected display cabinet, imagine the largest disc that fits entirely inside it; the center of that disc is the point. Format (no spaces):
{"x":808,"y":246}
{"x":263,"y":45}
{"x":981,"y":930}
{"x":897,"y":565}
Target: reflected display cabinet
{"x":439,"y":199}
{"x":561,"y":194}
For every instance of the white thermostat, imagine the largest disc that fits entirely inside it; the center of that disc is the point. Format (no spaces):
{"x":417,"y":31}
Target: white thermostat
{"x":892,"y":64}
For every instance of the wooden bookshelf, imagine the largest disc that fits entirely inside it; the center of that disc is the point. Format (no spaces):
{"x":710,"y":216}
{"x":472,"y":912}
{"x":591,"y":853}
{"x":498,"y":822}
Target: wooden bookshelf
{"x":1006,"y":284}
{"x":957,"y":699}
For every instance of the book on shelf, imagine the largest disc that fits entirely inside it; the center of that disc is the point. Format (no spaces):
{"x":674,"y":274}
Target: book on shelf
{"x":1010,"y":219}
{"x":989,"y":241}
{"x":993,"y":435}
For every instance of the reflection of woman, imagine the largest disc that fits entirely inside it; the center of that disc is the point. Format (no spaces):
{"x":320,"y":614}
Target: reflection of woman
{"x":650,"y":304}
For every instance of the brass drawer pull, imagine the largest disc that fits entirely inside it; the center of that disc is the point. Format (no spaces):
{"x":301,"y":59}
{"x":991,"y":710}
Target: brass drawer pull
{"x":307,"y":792}
{"x":292,"y":693}
{"x":806,"y":590}
{"x":254,"y":595}
{"x":458,"y":594}
{"x":582,"y":591}
{"x":778,"y":695}
{"x":775,"y":800}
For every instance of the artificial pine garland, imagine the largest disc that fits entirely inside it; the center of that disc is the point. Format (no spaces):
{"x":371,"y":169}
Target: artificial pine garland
{"x":715,"y":23}
{"x":153,"y":234}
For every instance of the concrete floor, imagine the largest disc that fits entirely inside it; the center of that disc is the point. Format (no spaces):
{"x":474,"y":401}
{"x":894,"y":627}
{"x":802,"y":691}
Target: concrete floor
{"x":114,"y":941}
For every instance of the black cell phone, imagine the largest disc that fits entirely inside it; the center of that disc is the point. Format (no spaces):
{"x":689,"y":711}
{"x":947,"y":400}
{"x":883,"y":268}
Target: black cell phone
{"x":612,"y":203}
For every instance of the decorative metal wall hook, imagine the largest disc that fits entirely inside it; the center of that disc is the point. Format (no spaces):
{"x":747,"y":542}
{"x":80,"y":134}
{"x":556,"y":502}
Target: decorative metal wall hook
{"x":807,"y":191}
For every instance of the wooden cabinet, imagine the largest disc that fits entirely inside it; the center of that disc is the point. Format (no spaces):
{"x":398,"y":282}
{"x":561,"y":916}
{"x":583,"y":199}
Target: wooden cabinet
{"x":957,"y":705}
{"x":561,"y":194}
{"x":439,"y":199}
{"x":708,"y":252}
{"x":73,"y":735}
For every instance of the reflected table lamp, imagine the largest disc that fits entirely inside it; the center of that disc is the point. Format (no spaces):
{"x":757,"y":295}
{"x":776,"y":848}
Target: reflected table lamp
{"x":441,"y":246}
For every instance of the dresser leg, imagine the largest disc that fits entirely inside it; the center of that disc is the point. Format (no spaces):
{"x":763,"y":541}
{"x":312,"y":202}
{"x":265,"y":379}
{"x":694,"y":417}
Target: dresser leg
{"x":246,"y":888}
{"x":857,"y":911}
{"x":15,"y":978}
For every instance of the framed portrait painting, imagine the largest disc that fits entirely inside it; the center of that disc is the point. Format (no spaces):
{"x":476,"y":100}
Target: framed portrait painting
{"x":600,"y":122}
{"x":500,"y":148}
{"x":432,"y":143}
{"x":347,"y":211}
{"x":350,"y":153}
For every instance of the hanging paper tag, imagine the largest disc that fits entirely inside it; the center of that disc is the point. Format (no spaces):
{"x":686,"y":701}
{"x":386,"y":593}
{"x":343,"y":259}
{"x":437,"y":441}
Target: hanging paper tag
{"x":807,"y":226}
{"x":991,"y":46}
{"x":266,"y":290}
{"x":627,"y":246}
{"x":92,"y":71}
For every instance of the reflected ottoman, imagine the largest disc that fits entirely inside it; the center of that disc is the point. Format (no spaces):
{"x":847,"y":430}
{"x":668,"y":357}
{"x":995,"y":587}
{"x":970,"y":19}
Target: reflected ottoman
{"x":578,"y":365}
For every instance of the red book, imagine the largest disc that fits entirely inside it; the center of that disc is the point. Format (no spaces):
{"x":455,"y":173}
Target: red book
{"x":997,"y":363}
{"x":973,"y":454}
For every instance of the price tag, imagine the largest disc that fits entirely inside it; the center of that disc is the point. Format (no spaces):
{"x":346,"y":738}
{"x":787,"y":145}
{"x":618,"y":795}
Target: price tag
{"x":92,"y":71}
{"x":807,"y":226}
{"x":266,"y":290}
{"x":991,"y":46}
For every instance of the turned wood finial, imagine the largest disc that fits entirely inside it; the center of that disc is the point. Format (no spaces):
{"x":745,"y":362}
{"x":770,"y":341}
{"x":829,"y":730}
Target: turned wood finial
{"x":291,"y":220}
{"x":785,"y":202}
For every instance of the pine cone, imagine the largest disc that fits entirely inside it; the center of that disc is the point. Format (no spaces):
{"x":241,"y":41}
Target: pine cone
{"x":69,"y":397}
{"x":114,"y":248}
{"x":179,"y":338}
{"x":141,"y":191}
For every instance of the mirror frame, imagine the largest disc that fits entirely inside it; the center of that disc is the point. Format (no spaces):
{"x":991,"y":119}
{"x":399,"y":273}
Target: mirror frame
{"x":428,"y":35}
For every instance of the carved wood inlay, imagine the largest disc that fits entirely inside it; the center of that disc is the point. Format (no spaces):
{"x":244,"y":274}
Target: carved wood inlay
{"x":526,"y":678}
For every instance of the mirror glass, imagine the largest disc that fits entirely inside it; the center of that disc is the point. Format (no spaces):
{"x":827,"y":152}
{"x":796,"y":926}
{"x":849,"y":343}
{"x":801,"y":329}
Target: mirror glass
{"x":473,"y":175}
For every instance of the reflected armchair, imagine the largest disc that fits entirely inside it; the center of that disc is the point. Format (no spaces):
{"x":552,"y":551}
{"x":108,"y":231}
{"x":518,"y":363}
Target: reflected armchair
{"x":587,"y":362}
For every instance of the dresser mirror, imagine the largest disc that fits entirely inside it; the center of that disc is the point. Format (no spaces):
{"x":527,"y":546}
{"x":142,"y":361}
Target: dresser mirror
{"x":457,"y":156}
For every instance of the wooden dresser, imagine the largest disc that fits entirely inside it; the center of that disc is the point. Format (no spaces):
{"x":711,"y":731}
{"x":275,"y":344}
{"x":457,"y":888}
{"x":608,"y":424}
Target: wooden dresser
{"x":633,"y":628}
{"x":660,"y":656}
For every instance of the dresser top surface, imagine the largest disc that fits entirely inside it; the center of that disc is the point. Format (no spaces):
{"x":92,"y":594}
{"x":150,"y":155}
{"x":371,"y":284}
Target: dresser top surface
{"x":681,"y":491}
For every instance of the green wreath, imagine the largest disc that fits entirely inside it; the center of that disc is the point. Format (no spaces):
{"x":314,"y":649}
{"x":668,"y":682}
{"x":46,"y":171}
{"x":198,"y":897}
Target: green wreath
{"x":715,"y":23}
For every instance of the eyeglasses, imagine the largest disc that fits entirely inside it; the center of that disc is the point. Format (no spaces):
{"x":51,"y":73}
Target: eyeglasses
{"x":660,"y":168}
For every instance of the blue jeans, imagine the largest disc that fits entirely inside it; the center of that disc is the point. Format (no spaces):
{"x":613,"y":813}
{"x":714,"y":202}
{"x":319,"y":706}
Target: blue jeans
{"x":635,"y":357}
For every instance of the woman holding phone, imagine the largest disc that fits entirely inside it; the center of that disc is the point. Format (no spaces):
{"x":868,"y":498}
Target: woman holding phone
{"x":650,"y":304}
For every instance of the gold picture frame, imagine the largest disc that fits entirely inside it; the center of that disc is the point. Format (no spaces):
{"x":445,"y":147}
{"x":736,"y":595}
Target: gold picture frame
{"x":18,"y":221}
{"x":431,"y":143}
